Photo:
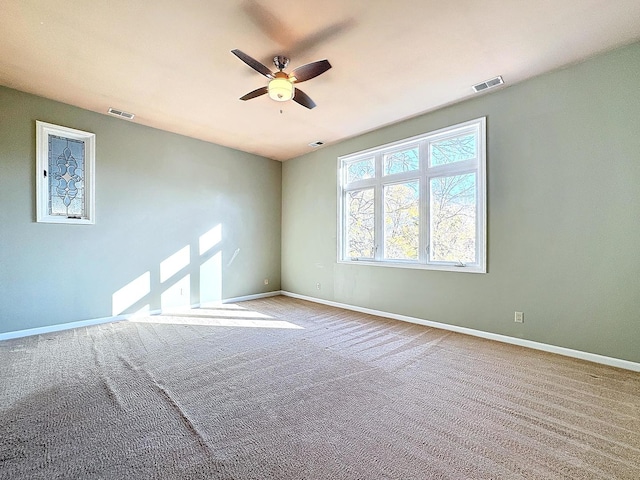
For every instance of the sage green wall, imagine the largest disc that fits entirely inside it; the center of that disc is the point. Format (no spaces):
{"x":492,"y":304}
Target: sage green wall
{"x":156,"y":193}
{"x":563,"y":226}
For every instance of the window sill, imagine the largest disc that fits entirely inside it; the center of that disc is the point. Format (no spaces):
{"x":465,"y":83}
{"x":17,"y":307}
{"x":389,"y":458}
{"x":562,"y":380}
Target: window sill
{"x":416,"y":266}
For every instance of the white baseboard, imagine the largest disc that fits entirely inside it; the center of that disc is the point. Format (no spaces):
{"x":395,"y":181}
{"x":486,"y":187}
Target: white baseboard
{"x":252,"y":297}
{"x":117,"y":318}
{"x":568,"y":352}
{"x":59,"y":327}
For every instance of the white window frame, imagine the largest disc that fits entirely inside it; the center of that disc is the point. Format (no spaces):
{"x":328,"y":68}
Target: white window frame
{"x":43,"y":195}
{"x":424,"y":173}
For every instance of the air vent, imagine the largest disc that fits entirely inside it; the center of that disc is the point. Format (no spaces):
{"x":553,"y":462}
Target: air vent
{"x":494,"y":82}
{"x":121,"y":114}
{"x":316,"y":144}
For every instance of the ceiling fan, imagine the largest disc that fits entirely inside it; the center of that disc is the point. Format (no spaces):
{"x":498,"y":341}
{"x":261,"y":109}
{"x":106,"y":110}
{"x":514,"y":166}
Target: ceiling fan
{"x":281,"y":84}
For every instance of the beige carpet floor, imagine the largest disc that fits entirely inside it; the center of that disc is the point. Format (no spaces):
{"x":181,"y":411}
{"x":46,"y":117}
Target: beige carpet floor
{"x":280,"y":388}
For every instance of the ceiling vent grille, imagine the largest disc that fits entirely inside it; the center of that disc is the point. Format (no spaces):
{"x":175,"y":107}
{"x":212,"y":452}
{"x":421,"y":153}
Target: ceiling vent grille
{"x":316,"y":144}
{"x":494,"y":82}
{"x":121,"y":114}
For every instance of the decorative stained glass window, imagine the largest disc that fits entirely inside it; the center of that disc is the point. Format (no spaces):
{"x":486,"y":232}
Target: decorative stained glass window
{"x":66,"y":177}
{"x":65,"y":182}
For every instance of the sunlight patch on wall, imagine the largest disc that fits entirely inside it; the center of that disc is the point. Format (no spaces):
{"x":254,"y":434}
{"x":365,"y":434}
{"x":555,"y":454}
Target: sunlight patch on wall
{"x":211,"y":279}
{"x":176,"y":262}
{"x":178,"y":296}
{"x":130,"y":293}
{"x":210,"y":239}
{"x":211,"y":269}
{"x":177,"y":272}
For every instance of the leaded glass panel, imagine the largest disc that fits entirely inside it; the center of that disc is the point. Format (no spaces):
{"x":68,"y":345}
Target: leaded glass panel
{"x":66,"y":157}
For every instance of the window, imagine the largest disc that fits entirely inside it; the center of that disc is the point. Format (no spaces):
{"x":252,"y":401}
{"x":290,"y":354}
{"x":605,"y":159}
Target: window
{"x":417,"y":203}
{"x":64,"y":174}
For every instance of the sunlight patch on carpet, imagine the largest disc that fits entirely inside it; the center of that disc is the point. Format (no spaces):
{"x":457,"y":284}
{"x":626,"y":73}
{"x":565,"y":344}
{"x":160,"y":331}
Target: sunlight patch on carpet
{"x":220,"y":315}
{"x":216,"y":321}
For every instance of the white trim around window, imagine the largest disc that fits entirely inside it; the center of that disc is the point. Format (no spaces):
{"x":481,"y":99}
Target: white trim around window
{"x":417,"y":203}
{"x":65,"y":178}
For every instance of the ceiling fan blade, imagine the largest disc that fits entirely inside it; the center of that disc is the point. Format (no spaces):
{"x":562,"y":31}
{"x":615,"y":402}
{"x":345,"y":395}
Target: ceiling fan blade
{"x":313,"y":40}
{"x":310,"y":70}
{"x":269,"y":23}
{"x":253,"y":63}
{"x":256,"y":93}
{"x":303,"y":99}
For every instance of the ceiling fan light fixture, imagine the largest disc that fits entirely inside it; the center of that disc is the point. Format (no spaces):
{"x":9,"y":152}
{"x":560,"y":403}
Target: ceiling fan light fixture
{"x":280,"y":89}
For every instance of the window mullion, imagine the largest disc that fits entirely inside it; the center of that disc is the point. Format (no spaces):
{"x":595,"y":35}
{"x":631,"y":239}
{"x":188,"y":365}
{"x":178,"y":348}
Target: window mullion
{"x":379,"y":209}
{"x":453,"y":168}
{"x":424,"y":203}
{"x":360,"y":184}
{"x":401,"y":177}
{"x":342,"y":225}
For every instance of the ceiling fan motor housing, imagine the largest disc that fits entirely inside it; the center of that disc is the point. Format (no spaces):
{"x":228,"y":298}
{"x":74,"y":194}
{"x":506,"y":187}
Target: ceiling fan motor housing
{"x":280,"y":62}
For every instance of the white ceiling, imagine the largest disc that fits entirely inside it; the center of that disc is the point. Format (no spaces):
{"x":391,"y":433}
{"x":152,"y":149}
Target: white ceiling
{"x":169,"y":61}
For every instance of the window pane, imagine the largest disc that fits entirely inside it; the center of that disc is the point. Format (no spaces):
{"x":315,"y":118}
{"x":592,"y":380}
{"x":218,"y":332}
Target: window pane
{"x":66,"y":176}
{"x":453,"y":219}
{"x":401,"y":218}
{"x":360,"y":224}
{"x":453,"y":150}
{"x":361,"y":170}
{"x":404,"y":161}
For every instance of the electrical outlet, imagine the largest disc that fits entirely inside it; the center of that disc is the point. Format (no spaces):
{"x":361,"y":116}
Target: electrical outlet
{"x":266,"y":281}
{"x":318,"y":286}
{"x":519,"y":317}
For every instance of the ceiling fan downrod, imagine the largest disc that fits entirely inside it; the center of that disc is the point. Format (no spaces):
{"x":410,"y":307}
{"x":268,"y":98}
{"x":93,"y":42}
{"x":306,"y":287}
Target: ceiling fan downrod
{"x":280,"y":62}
